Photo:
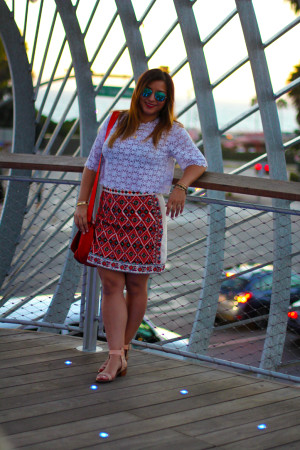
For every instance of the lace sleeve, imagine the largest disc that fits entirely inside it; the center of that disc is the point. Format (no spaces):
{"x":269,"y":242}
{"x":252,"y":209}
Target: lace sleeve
{"x":184,"y":150}
{"x":93,"y":159}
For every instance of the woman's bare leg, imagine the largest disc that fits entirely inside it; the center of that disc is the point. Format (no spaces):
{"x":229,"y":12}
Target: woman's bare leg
{"x":114,"y":311}
{"x":136,"y":299}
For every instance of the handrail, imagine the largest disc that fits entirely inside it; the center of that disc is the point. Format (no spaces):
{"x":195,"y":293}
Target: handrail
{"x":240,"y":184}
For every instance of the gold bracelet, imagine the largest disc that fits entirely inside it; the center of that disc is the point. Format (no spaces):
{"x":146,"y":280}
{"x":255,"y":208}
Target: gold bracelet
{"x":182,"y":185}
{"x":82,"y":203}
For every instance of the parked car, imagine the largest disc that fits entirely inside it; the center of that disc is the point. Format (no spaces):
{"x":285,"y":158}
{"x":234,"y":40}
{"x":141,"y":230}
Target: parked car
{"x":294,"y":317}
{"x":248,"y":295}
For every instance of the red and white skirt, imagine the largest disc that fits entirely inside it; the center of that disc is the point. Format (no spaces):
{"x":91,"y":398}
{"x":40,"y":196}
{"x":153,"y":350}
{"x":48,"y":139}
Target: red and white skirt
{"x":130,"y":232}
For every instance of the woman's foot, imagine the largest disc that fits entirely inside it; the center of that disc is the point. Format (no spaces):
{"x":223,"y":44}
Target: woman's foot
{"x":116,"y":366}
{"x":126,"y":347}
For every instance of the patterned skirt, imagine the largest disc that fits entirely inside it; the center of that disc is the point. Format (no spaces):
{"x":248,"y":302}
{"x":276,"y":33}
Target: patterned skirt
{"x":130,"y":232}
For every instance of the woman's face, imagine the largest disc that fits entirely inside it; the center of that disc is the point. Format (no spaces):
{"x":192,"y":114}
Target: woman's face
{"x":150,"y":106}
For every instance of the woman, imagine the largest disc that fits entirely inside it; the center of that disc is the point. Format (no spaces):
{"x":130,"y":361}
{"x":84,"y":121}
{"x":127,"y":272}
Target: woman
{"x":130,"y":237}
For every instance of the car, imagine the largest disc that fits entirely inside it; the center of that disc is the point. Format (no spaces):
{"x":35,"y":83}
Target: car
{"x":246,"y":293}
{"x":294,"y":317}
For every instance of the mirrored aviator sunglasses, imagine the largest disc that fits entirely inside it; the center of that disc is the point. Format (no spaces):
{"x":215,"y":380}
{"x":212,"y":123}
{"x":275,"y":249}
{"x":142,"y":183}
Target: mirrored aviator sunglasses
{"x":159,"y":96}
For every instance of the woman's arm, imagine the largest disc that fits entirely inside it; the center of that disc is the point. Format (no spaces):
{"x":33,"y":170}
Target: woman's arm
{"x":80,"y":215}
{"x":177,"y":197}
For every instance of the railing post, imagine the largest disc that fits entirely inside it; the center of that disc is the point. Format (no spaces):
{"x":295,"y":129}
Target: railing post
{"x":276,"y":331}
{"x":207,"y":306}
{"x":90,"y":326}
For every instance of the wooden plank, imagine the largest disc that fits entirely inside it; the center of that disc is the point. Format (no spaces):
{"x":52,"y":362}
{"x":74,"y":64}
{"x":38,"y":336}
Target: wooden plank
{"x":259,"y":413}
{"x":42,"y":357}
{"x":52,"y":405}
{"x":41,"y":162}
{"x":164,"y":400}
{"x":37,"y":350}
{"x":242,"y":184}
{"x":249,"y":430}
{"x":10,"y":335}
{"x":29,"y":438}
{"x":32,"y":399}
{"x":161,"y":439}
{"x":42,"y":341}
{"x":47,"y":375}
{"x":205,"y":399}
{"x":88,"y":378}
{"x":267,"y":440}
{"x":209,"y":180}
{"x":290,"y":446}
{"x":124,"y":400}
{"x":72,"y":435}
{"x":82,"y":359}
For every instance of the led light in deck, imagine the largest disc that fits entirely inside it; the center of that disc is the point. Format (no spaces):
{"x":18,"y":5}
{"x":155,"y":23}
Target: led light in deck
{"x":68,"y":363}
{"x":262,"y":426}
{"x":94,"y":387}
{"x":184,"y":392}
{"x":103,"y":434}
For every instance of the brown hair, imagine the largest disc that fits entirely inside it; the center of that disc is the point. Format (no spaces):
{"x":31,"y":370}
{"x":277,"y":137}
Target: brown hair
{"x":129,"y":121}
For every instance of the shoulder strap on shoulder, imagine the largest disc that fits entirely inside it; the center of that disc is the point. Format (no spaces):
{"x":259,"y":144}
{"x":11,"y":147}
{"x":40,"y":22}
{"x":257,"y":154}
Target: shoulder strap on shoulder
{"x":111,"y":122}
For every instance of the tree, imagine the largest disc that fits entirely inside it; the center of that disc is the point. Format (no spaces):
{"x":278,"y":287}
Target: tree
{"x":282,"y":104}
{"x":295,"y":93}
{"x":295,"y":4}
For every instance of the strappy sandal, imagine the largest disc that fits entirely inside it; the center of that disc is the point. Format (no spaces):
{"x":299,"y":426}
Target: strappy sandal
{"x":120,"y":372}
{"x":126,"y":348}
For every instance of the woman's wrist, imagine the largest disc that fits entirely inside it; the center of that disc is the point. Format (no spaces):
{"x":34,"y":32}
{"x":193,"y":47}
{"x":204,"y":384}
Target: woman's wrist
{"x":181,"y":183}
{"x":181,"y":186}
{"x":82,"y":203}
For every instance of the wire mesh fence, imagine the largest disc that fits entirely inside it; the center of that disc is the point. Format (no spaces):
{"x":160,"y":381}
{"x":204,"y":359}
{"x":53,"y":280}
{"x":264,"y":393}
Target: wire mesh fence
{"x":241,"y":294}
{"x":245,"y":286}
{"x":40,"y":255}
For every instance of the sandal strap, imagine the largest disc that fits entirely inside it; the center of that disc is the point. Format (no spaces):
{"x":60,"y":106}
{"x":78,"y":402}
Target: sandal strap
{"x":116,"y":352}
{"x":107,"y":376}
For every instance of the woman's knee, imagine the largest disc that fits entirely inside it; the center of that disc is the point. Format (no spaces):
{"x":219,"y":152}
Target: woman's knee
{"x":112,"y":281}
{"x":136,"y":284}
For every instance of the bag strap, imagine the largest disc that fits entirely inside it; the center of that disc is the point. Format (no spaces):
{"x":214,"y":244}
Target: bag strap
{"x":111,"y":123}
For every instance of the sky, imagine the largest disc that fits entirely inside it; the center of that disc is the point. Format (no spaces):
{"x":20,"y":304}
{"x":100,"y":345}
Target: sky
{"x":221,"y":53}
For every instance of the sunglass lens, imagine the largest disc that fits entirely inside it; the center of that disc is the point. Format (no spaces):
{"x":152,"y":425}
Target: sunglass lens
{"x":147,"y":92}
{"x":160,"y":96}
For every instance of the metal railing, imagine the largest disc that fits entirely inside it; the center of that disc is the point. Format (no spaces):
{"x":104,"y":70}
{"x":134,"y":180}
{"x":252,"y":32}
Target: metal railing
{"x":176,"y":296}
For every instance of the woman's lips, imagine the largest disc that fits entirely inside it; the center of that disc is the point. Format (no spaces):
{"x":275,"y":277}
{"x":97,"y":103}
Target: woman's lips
{"x":149,"y":105}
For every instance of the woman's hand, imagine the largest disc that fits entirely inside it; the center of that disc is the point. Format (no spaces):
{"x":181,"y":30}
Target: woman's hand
{"x":176,"y":202}
{"x":80,"y":215}
{"x":80,"y":218}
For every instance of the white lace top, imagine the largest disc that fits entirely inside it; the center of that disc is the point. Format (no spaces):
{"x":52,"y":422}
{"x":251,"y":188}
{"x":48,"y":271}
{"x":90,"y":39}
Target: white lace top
{"x":136,"y":165}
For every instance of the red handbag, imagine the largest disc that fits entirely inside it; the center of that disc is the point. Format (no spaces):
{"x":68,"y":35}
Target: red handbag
{"x":81,"y":244}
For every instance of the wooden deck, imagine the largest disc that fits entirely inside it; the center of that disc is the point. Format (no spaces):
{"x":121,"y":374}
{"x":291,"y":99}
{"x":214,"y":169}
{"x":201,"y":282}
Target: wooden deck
{"x":46,"y":404}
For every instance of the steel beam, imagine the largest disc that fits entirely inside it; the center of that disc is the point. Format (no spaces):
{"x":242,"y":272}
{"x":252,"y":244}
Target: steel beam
{"x":133,"y":37}
{"x":14,"y":207}
{"x":276,"y":331}
{"x":66,"y":288}
{"x":206,"y":312}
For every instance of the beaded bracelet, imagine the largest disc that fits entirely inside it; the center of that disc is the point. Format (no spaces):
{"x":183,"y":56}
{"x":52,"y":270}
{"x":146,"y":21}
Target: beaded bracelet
{"x":82,"y":203}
